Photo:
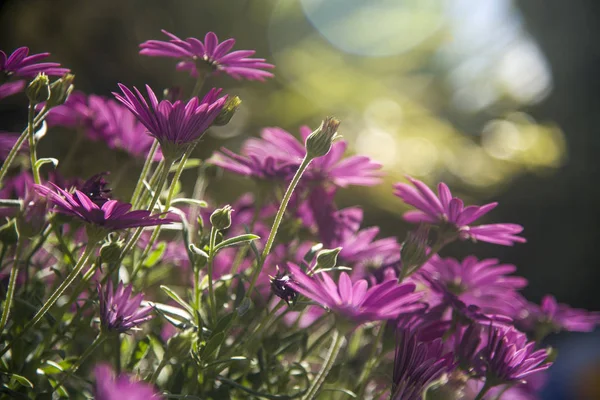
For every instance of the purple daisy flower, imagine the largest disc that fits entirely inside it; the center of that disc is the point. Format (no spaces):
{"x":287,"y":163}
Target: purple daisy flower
{"x":109,"y":387}
{"x":21,"y":65}
{"x":357,"y":302}
{"x":444,"y":209}
{"x":175,"y":125}
{"x":508,"y":357}
{"x":417,"y":364}
{"x":483,"y":283}
{"x":119,"y":312}
{"x":210,"y":56}
{"x":112,"y":215}
{"x":551,"y":316}
{"x":105,"y":120}
{"x":278,"y":154}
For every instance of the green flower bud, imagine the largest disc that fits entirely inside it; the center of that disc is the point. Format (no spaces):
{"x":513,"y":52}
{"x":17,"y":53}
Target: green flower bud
{"x":60,"y":90}
{"x":38,"y":90}
{"x":32,"y":217}
{"x":221,"y":218}
{"x":230,"y":107}
{"x":8,"y":233}
{"x":413,"y":252}
{"x":319,"y":142}
{"x":327,"y":259}
{"x":180,"y":345}
{"x":111,"y":250}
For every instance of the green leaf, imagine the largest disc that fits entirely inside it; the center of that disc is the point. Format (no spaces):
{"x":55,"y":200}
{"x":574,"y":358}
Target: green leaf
{"x":141,"y":350}
{"x":198,"y":251}
{"x":345,"y":391}
{"x":157,"y":346}
{"x":21,"y":380}
{"x":213,"y":345}
{"x":50,"y":368}
{"x":222,"y":324}
{"x":244,"y":306}
{"x":237,"y":240}
{"x":194,"y":202}
{"x":43,"y":161}
{"x":340,"y":268}
{"x":156,"y":255}
{"x":178,"y":299}
{"x":190,"y":163}
{"x":175,"y":312}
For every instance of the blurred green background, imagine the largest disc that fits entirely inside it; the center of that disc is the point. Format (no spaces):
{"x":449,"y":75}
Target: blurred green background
{"x":497,"y":98}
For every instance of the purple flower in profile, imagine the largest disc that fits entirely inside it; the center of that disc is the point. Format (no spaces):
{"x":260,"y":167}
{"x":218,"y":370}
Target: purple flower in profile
{"x":208,"y":57}
{"x":356,"y":301}
{"x":278,"y":154}
{"x":280,"y":286}
{"x":483,"y":283}
{"x":551,"y":316}
{"x":417,"y":364}
{"x":508,"y":357}
{"x":444,"y":209}
{"x":175,"y":125}
{"x":21,"y":65}
{"x":119,"y":312}
{"x":109,"y":387}
{"x":112,"y":215}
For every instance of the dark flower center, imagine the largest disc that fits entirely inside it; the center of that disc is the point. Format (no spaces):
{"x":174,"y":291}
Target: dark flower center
{"x":96,"y":189}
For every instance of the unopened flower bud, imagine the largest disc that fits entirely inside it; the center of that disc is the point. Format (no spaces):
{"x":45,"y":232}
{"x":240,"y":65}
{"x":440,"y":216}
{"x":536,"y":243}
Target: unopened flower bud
{"x":280,"y":286}
{"x":230,"y":107}
{"x":413,"y":252}
{"x":32,"y":217}
{"x":60,"y":90}
{"x":327,"y":259}
{"x":111,"y":250}
{"x":319,"y":142}
{"x":221,"y":218}
{"x":8,"y":233}
{"x":180,"y":345}
{"x":38,"y":90}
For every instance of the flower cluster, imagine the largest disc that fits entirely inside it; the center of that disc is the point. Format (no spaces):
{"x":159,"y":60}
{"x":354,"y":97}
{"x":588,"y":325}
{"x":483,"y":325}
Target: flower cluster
{"x":261,"y":298}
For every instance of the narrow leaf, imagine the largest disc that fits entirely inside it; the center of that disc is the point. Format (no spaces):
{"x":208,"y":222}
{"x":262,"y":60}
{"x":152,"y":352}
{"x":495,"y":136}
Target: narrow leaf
{"x":241,"y":239}
{"x":178,"y":299}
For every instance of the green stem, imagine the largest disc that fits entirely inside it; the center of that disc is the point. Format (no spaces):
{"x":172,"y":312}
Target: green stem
{"x":436,"y":248}
{"x":164,"y":174}
{"x":145,"y":194}
{"x":278,"y":218}
{"x":370,"y":362}
{"x":32,"y":145}
{"x":211,"y":291}
{"x":13,"y":152}
{"x":199,"y":83}
{"x":91,"y":246}
{"x":336,"y":345}
{"x":11,"y":284}
{"x":166,"y":207}
{"x":91,"y":348}
{"x":486,"y":387}
{"x":145,"y":169}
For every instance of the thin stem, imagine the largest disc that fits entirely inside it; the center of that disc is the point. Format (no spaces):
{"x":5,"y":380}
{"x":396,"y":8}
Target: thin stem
{"x":145,"y":194}
{"x":166,"y":207}
{"x":211,"y":291}
{"x":11,"y":284}
{"x":32,"y":145}
{"x":164,"y":174}
{"x":92,"y":347}
{"x":336,"y":345}
{"x":199,"y":83}
{"x":436,"y":248}
{"x":370,"y":361}
{"x":91,"y":246}
{"x":486,"y":387}
{"x":278,"y":218}
{"x":145,"y":169}
{"x":13,"y":152}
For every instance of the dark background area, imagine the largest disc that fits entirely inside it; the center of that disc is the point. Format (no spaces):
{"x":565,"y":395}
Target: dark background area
{"x":557,"y":204}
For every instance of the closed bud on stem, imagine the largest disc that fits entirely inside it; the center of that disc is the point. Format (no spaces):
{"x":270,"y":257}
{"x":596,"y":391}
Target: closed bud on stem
{"x":221,"y":218}
{"x":319,"y":142}
{"x":32,"y":217}
{"x":111,"y":249}
{"x":230,"y":107}
{"x":38,"y":90}
{"x":60,"y":90}
{"x":413,"y":252}
{"x":180,"y":345}
{"x":327,"y":259}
